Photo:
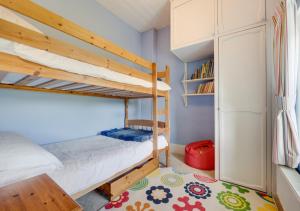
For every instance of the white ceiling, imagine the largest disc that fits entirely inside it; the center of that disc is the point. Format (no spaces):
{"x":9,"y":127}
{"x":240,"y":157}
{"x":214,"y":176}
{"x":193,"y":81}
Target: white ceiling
{"x":142,"y":15}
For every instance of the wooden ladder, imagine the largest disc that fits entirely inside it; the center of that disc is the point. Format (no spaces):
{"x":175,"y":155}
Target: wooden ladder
{"x":155,"y":124}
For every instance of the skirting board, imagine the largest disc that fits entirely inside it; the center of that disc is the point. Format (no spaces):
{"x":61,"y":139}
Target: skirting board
{"x":177,"y":149}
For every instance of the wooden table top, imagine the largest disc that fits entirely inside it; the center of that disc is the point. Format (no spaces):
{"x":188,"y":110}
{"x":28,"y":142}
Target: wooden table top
{"x":36,"y":194}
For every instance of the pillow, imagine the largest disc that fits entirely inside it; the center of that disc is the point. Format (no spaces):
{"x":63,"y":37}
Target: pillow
{"x":10,"y":16}
{"x":20,"y":158}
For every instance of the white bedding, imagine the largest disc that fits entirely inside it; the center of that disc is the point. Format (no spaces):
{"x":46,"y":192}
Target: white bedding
{"x":71,"y":65}
{"x":88,"y":161}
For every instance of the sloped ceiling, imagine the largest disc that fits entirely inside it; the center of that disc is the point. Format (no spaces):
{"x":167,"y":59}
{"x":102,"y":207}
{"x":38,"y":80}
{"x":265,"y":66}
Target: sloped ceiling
{"x":142,"y":15}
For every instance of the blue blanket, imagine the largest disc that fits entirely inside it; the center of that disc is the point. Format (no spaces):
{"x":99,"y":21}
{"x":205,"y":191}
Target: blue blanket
{"x":128,"y":134}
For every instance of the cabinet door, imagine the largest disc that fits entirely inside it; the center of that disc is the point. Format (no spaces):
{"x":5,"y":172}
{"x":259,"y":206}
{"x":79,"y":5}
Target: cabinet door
{"x":242,"y":108}
{"x":235,"y":14}
{"x":191,"y":21}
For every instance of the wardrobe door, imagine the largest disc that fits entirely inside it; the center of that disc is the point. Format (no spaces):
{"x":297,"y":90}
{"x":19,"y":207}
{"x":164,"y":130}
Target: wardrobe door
{"x":234,"y":14}
{"x":242,"y":108}
{"x":191,"y":21}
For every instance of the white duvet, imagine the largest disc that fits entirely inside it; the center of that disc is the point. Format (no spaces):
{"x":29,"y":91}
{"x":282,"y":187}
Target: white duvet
{"x":71,"y":65}
{"x":88,"y":161}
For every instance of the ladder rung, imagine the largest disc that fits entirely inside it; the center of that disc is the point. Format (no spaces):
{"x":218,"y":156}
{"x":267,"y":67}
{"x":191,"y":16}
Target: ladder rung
{"x":161,"y":131}
{"x":161,"y":74}
{"x":161,"y":112}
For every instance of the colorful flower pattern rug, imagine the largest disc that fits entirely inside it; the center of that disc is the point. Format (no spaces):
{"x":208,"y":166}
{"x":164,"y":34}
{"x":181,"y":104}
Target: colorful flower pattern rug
{"x":167,"y":190}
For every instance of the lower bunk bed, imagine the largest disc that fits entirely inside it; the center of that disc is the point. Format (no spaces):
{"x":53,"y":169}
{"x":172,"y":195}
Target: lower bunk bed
{"x":93,"y":161}
{"x":81,"y":165}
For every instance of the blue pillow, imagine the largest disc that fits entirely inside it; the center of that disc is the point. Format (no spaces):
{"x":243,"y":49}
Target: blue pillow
{"x":128,"y":134}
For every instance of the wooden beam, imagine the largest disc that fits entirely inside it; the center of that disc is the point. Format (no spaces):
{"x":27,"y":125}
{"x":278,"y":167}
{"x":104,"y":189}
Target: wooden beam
{"x":161,"y":74}
{"x":167,"y":75}
{"x":154,"y":112}
{"x":145,"y":123}
{"x":34,"y":39}
{"x":38,"y":13}
{"x":10,"y":63}
{"x":2,"y":76}
{"x":55,"y":91}
{"x":141,"y":96}
{"x":167,"y":118}
{"x":26,"y":80}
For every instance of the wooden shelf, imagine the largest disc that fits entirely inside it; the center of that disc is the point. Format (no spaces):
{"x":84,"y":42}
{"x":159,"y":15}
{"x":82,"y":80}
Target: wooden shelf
{"x":186,"y":82}
{"x":198,"y":80}
{"x":200,"y":94}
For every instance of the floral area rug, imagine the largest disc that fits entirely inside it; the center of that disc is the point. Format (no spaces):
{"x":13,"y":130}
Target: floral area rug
{"x":166,"y":190}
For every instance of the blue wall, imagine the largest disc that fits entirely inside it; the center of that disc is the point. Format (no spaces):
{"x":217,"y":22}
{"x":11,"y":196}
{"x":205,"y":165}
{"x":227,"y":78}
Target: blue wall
{"x":49,"y":117}
{"x":188,"y":124}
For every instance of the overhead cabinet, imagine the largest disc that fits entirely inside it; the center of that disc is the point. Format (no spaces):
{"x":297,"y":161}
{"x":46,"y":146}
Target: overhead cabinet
{"x":196,"y":23}
{"x":192,"y":22}
{"x":235,"y":14}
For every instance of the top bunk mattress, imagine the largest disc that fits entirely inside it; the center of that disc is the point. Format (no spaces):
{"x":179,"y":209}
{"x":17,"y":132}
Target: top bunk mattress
{"x":73,"y":66}
{"x":88,"y":161}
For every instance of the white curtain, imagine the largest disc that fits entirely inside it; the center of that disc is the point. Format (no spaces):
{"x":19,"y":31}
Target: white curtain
{"x":286,"y":145}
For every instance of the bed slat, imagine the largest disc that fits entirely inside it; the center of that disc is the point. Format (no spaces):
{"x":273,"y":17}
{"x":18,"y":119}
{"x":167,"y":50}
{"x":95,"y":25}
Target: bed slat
{"x":86,"y":88}
{"x":26,"y":80}
{"x":48,"y":83}
{"x":2,"y":76}
{"x":56,"y":91}
{"x":68,"y":86}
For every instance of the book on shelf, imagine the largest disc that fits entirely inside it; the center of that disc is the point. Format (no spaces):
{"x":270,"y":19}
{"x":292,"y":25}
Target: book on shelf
{"x":205,"y":71}
{"x":205,"y":88}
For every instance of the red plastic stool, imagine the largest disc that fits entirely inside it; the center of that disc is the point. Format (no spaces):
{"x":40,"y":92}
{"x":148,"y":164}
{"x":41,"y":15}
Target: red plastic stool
{"x":200,"y":155}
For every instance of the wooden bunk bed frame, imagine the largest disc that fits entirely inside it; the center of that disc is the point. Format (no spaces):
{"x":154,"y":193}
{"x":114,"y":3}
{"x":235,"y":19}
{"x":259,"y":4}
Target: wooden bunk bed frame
{"x":92,"y":86}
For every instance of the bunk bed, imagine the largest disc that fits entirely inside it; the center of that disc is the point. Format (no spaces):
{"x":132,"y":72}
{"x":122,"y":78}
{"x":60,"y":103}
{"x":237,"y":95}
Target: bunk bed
{"x":46,"y":64}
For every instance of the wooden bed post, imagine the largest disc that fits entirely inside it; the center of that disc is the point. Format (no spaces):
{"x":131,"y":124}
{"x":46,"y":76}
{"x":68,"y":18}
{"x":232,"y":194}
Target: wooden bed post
{"x":167,"y":117}
{"x":126,"y":112}
{"x":154,"y":111}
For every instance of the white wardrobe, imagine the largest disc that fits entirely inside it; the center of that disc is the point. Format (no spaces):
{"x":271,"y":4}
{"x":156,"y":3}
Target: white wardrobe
{"x":239,"y":48}
{"x":242,"y":108}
